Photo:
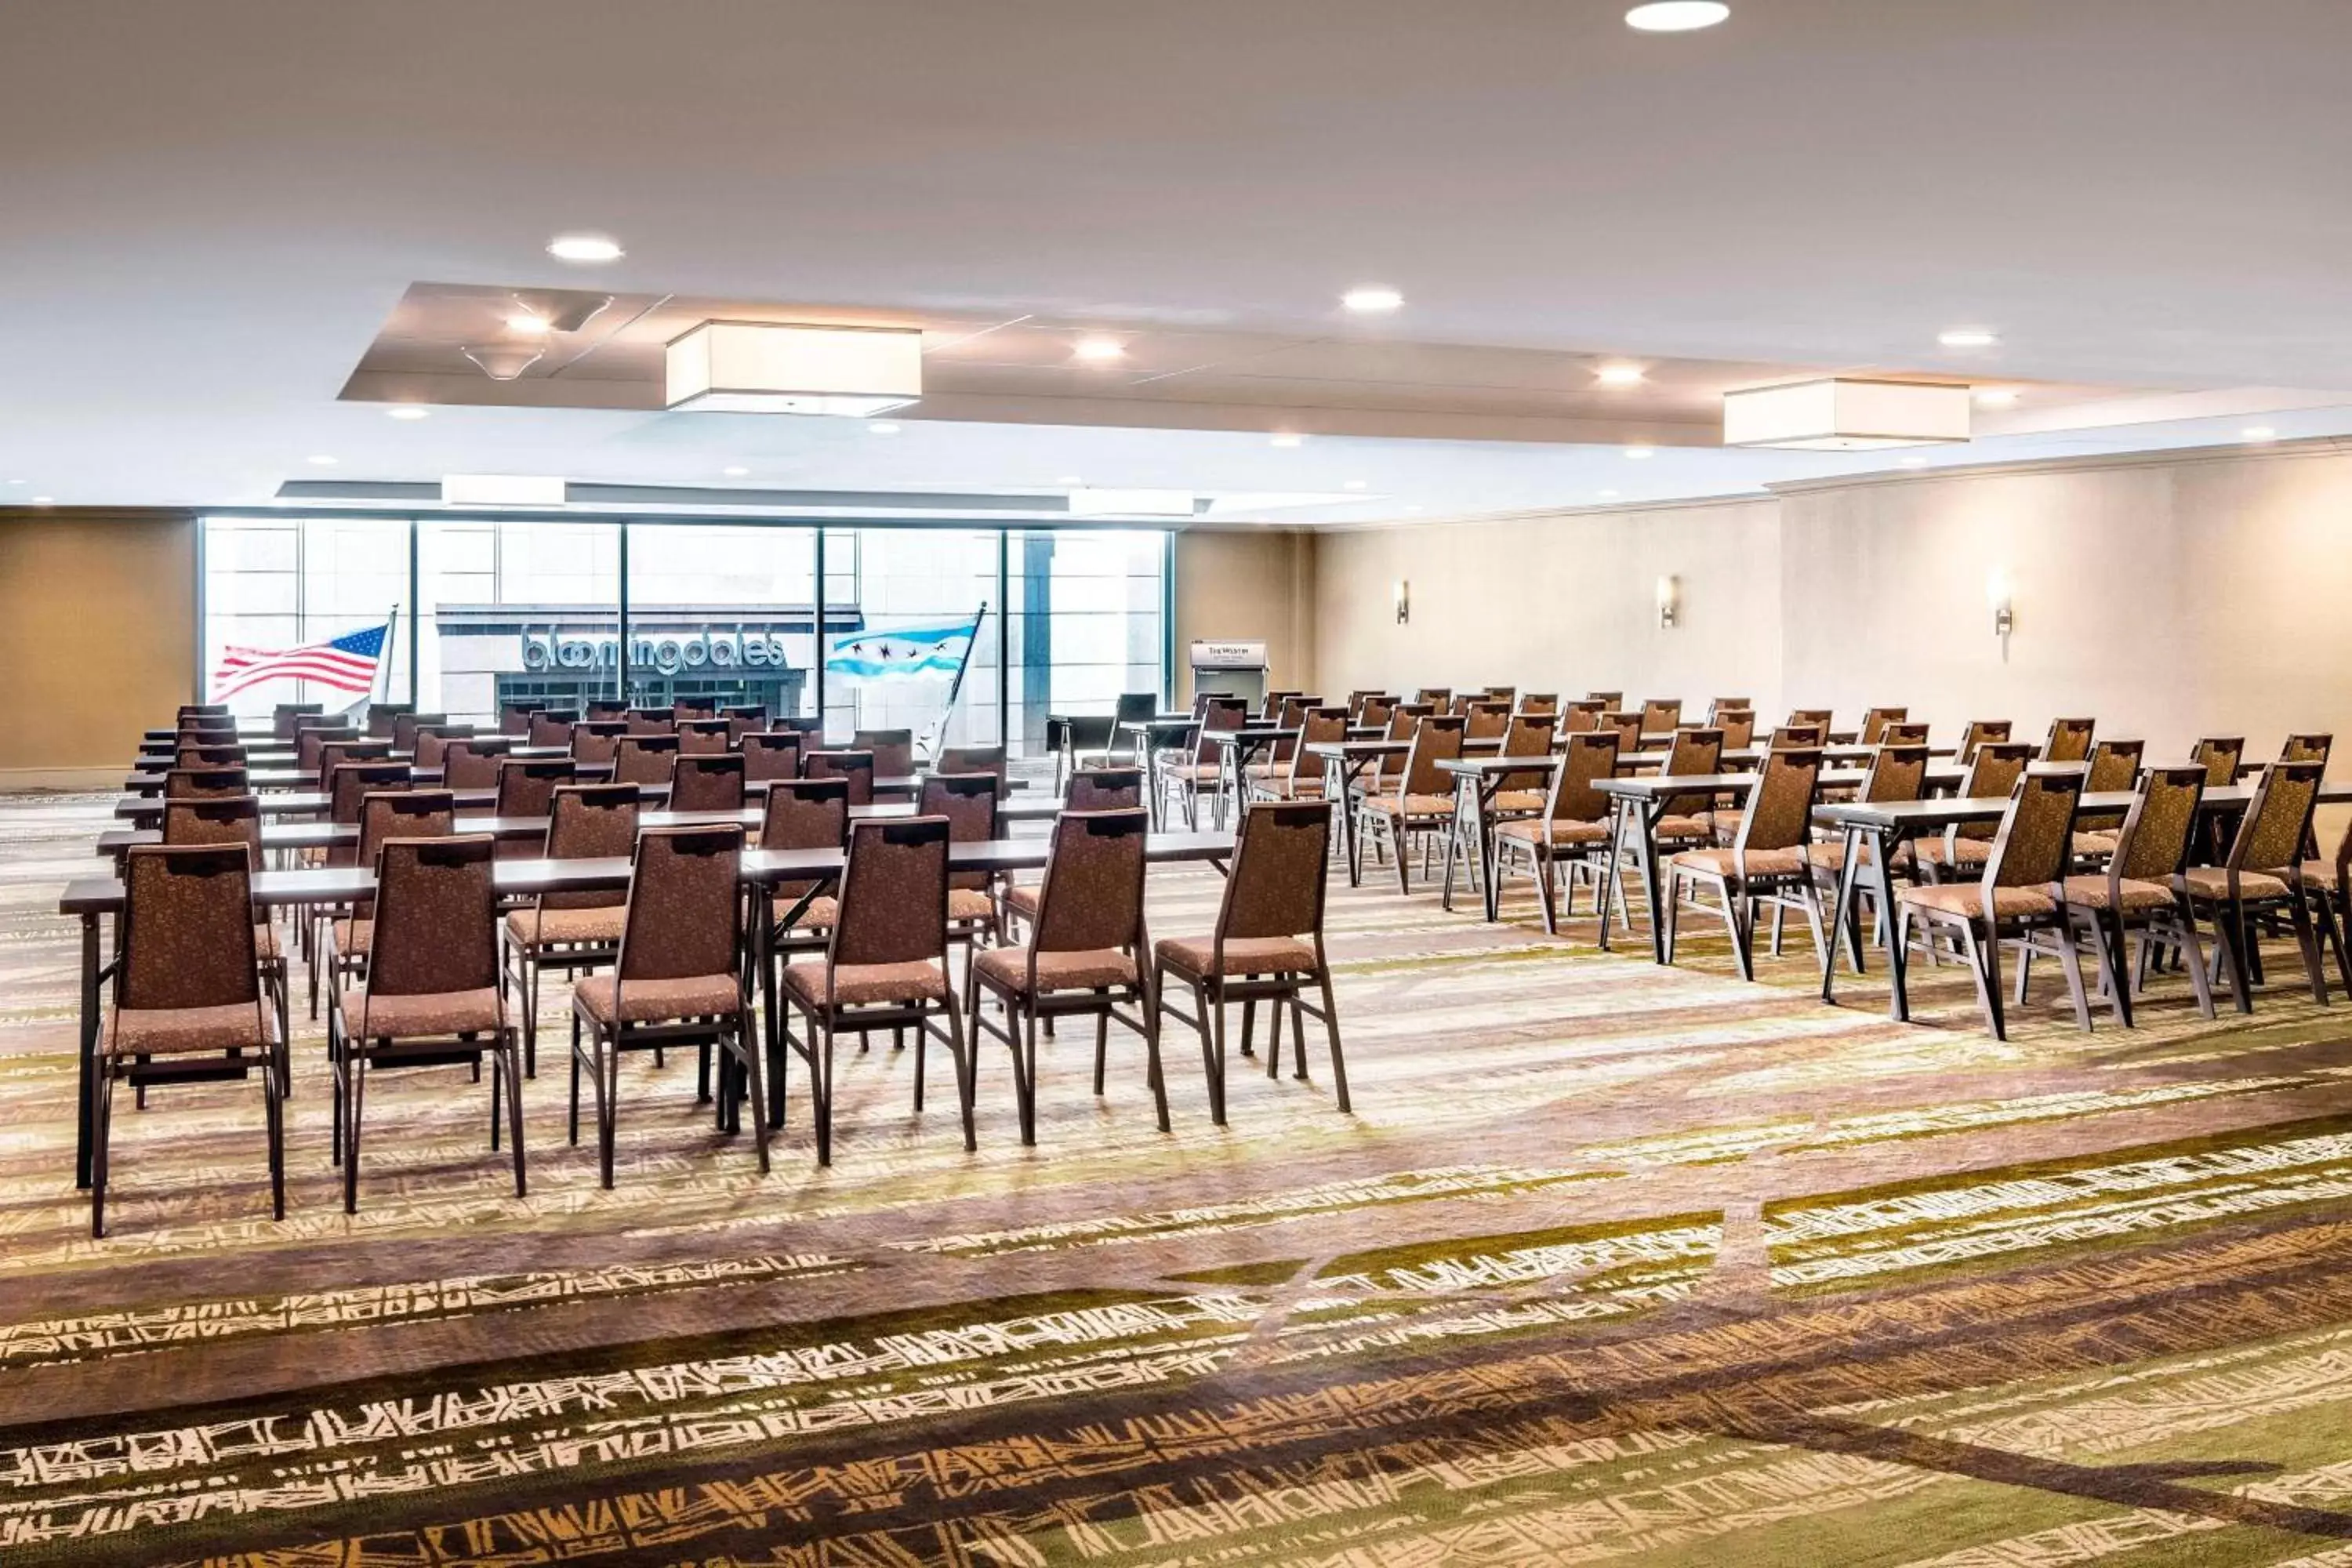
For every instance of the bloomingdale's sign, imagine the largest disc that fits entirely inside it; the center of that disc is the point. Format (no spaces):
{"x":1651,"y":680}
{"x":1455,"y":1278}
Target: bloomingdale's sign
{"x":668,"y":654}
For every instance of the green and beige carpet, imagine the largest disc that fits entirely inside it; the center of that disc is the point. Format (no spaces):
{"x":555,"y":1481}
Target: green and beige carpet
{"x":1611,"y":1263}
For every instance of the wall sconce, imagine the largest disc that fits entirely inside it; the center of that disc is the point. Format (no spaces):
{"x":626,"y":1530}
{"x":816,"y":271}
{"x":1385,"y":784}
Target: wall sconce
{"x":1997,"y":600}
{"x":1403,"y":601}
{"x":1670,"y":603}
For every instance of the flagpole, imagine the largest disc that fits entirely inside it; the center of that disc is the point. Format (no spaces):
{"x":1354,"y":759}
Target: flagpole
{"x":956,"y":686}
{"x":391,"y":641}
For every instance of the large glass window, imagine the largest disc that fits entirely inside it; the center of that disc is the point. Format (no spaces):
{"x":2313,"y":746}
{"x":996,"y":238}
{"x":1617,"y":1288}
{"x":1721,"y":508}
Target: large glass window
{"x":725,"y":611}
{"x":517,"y":611}
{"x":910,"y":619}
{"x":278,"y":592}
{"x":1085,"y":615}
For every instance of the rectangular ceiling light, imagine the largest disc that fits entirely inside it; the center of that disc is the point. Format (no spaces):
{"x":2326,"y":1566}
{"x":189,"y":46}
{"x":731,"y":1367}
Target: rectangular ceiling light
{"x":1843,"y":414}
{"x":1130,"y":503}
{"x":501,"y":489}
{"x":759,"y":367}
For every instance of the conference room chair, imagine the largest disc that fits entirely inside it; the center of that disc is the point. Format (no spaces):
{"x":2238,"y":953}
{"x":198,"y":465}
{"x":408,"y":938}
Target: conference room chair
{"x":526,"y":786}
{"x":1903,"y":732}
{"x":1085,"y":956}
{"x":189,"y":1004}
{"x":1437,"y":697}
{"x":432,"y":996}
{"x":2308,"y":749}
{"x":968,"y":802}
{"x":703,"y":737}
{"x":708,"y":782}
{"x":1685,"y":820}
{"x":2220,"y":756}
{"x":237,"y":819}
{"x":1993,"y":773}
{"x":571,"y":932}
{"x":2114,"y":766}
{"x":1132,"y":708}
{"x":1420,"y":802}
{"x":1506,"y":694}
{"x":2070,"y":741}
{"x":1290,"y":714}
{"x":1375,"y":711}
{"x":1105,"y":789}
{"x":282,"y":717}
{"x":310,"y":739}
{"x":2019,"y":898}
{"x":1403,"y":720}
{"x":1298,"y":776}
{"x":1270,"y":705}
{"x":803,"y":813}
{"x":473,"y":761}
{"x":1979,"y":734}
{"x":348,"y":786}
{"x":1610,"y":700}
{"x":886,"y":966}
{"x":858,"y":767}
{"x":893,"y":750}
{"x":2257,"y":877}
{"x":1460,"y":704}
{"x":644,"y":758}
{"x":1661,"y":714}
{"x":1578,"y":717}
{"x":1718,"y":707}
{"x":771,"y":754}
{"x":1571,"y":832}
{"x":1486,"y":721}
{"x":201,"y":711}
{"x":651,"y":720}
{"x":677,"y":979}
{"x":1875,"y":719}
{"x":1737,"y":724}
{"x":1202,"y":698}
{"x":199,"y":782}
{"x":688,"y":710}
{"x":603,"y":710}
{"x":744,"y":719}
{"x":975,"y":760}
{"x":551,"y":727}
{"x":351,"y":935}
{"x":433,"y":744}
{"x":514,"y":718}
{"x":406,"y":725}
{"x":1533,"y":703}
{"x":1626,"y":725}
{"x":1204,"y":773}
{"x":189,"y":754}
{"x":381,"y":717}
{"x":2138,"y":892}
{"x":2321,"y":884}
{"x":334,"y":753}
{"x":1897,"y":772}
{"x":1267,"y":945}
{"x":1765,"y":862}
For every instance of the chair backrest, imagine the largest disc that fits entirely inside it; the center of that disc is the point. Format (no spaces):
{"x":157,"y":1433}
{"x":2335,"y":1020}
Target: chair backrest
{"x":1499,"y":693}
{"x":2154,"y":843}
{"x":746,"y":718}
{"x":1737,"y":724}
{"x":432,"y":742}
{"x":1376,"y":709}
{"x":651,"y":721}
{"x":1591,"y":756}
{"x":2115,"y":765}
{"x":1780,"y":805}
{"x":1896,"y":772}
{"x":685,"y":919}
{"x":1875,"y":719}
{"x":604,"y":709}
{"x":596,"y":740}
{"x":1609,"y":701}
{"x":686,"y":708}
{"x":2276,"y":823}
{"x":406,"y":725}
{"x":971,"y":760}
{"x":703,"y":737}
{"x":1903,"y":732}
{"x":282,"y":717}
{"x":708,"y":782}
{"x":1818,"y":718}
{"x":1105,"y":789}
{"x":644,"y":758}
{"x":1992,"y":774}
{"x":187,"y":927}
{"x":894,"y":751}
{"x":202,"y":710}
{"x":1660,"y":714}
{"x":771,"y":754}
{"x":436,"y":919}
{"x":2037,"y":832}
{"x":526,"y":786}
{"x":1983,"y":732}
{"x":1582,"y":716}
{"x":195,"y":783}
{"x":858,"y":767}
{"x":589,"y":822}
{"x":1317,"y":726}
{"x":1278,"y":877}
{"x":968,"y":801}
{"x":1092,"y":894}
{"x":1626,"y":726}
{"x":551,"y":727}
{"x":2308,"y":749}
{"x":1437,"y":739}
{"x":404,"y":814}
{"x":473,"y":762}
{"x":352,"y":781}
{"x":1533,"y":702}
{"x":2220,"y":756}
{"x":1695,"y":753}
{"x":221,"y":819}
{"x":1718,"y":707}
{"x":382,"y":716}
{"x":1436,"y":697}
{"x":807,"y":814}
{"x":1218,"y":714}
{"x":2070,"y":741}
{"x":894,"y":893}
{"x":333,"y":753}
{"x":1487,"y":721}
{"x":514,"y":718}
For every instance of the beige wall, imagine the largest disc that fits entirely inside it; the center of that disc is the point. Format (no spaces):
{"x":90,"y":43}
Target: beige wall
{"x":1251,"y":584}
{"x":97,"y":639}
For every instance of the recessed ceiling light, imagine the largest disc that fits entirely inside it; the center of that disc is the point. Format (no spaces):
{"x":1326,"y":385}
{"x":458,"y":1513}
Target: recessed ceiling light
{"x":322,"y":461}
{"x":1355,"y":484}
{"x":2260,"y":433}
{"x":1967,"y":337}
{"x":1416,"y":509}
{"x":409,"y":411}
{"x":583,"y":247}
{"x":1620,"y":375}
{"x":1069,"y":480}
{"x":1996,"y":397}
{"x":1676,"y":15}
{"x":1285,"y":438}
{"x":18,"y":482}
{"x":1372,"y":299}
{"x":885,"y":428}
{"x":1640,"y":452}
{"x":1099,"y":350}
{"x":1611,"y":495}
{"x":734,"y":470}
{"x":528,"y":325}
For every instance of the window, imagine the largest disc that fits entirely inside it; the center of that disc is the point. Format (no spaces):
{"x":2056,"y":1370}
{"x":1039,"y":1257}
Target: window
{"x":273,"y":584}
{"x":517,"y":611}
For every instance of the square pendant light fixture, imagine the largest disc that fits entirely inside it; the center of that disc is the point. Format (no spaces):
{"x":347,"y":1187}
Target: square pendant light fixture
{"x":761,"y":367}
{"x":1840,"y":414}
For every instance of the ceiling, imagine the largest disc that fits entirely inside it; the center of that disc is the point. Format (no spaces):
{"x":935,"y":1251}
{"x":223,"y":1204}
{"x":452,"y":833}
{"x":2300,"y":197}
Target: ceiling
{"x":237,"y":230}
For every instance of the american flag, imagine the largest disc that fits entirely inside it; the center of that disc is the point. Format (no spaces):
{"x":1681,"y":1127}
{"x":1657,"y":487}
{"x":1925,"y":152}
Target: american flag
{"x":346,"y":663}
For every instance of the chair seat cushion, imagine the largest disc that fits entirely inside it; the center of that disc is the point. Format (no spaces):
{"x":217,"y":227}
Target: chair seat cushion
{"x":2094,"y":893}
{"x":970,"y":904}
{"x":1416,"y":807}
{"x":1244,"y":955}
{"x":1696,"y":828}
{"x":1507,"y":800}
{"x":2214,"y":882}
{"x":1007,"y":969}
{"x":1967,"y":900}
{"x":415,"y":1017}
{"x":2317,"y":874}
{"x":1197,"y":772}
{"x":1304,"y":786}
{"x":1759,"y":863}
{"x":265,"y":942}
{"x":1022,"y":898}
{"x":567,"y":927}
{"x":1726,"y":824}
{"x":1260,"y":770}
{"x":2094,"y":845}
{"x":1535,"y":830}
{"x":1954,"y":852}
{"x":1830,"y":855}
{"x":173,"y":1031}
{"x":861,"y":984}
{"x":658,"y":1001}
{"x":821,"y":914}
{"x":352,"y":936}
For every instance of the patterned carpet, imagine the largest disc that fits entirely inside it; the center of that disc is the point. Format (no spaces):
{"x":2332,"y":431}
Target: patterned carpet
{"x":1611,"y":1263}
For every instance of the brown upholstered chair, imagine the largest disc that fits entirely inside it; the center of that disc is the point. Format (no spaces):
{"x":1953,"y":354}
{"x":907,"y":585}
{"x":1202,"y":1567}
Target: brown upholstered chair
{"x":333,"y":753}
{"x":473,"y":762}
{"x":707,"y":782}
{"x":693,"y":709}
{"x":1203,"y":773}
{"x":894,"y":751}
{"x":1421,"y":800}
{"x":2308,"y":749}
{"x":1765,"y":862}
{"x":596,"y":740}
{"x":606,"y":709}
{"x":886,"y":966}
{"x":1981,"y":732}
{"x":1486,"y":720}
{"x":1403,"y":720}
{"x":526,"y":786}
{"x":382,"y":716}
{"x":1104,"y":789}
{"x":975,"y":760}
{"x":1086,"y":955}
{"x":804,"y":814}
{"x":206,"y":782}
{"x":1579,"y":717}
{"x":2259,"y":877}
{"x":1523,"y":795}
{"x":1993,"y":772}
{"x":2070,"y":741}
{"x":188,"y":1000}
{"x":680,"y":979}
{"x":2220,"y":756}
{"x":771,"y":754}
{"x":651,"y":720}
{"x":350,"y":936}
{"x":744,"y":719}
{"x":1903,"y":732}
{"x":1875,"y":719}
{"x":1691,"y":819}
{"x":968,"y":803}
{"x":1610,"y":700}
{"x":1626,"y":725}
{"x":433,"y":744}
{"x":199,"y":754}
{"x":551,"y":727}
{"x":703,"y":737}
{"x":1896,"y":773}
{"x":644,"y":758}
{"x":571,"y":932}
{"x":432,"y":996}
{"x":1298,"y":776}
{"x":1437,"y":697}
{"x":2114,"y":765}
{"x":404,"y":727}
{"x":858,"y":767}
{"x":514,"y":718}
{"x":1799,"y":737}
{"x":310,"y":736}
{"x":1718,"y":707}
{"x":1661,"y":714}
{"x":1267,"y":945}
{"x":235,"y":819}
{"x":1572,"y":831}
{"x":2322,"y":885}
{"x":1533,"y":703}
{"x":1812,"y":718}
{"x":282,"y":717}
{"x":1738,"y":727}
{"x":2139,"y":889}
{"x":2019,"y":896}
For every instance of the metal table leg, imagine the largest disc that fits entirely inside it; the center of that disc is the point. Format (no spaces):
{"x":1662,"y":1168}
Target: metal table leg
{"x":87,"y":1102}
